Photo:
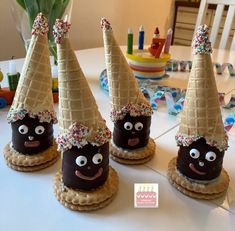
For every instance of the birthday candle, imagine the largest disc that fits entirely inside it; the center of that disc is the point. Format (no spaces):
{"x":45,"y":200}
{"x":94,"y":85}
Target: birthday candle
{"x":12,"y":67}
{"x":156,"y":33}
{"x":141,"y":38}
{"x":54,"y":71}
{"x":13,"y":76}
{"x":130,"y":41}
{"x":168,"y":41}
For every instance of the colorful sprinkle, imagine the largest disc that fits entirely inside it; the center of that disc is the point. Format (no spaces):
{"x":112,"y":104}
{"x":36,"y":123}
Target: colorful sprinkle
{"x":79,"y":135}
{"x":40,"y":25}
{"x":60,"y":29}
{"x":201,"y":43}
{"x":15,"y":114}
{"x":105,"y":25}
{"x":133,"y":109}
{"x":103,"y":135}
{"x":185,"y":140}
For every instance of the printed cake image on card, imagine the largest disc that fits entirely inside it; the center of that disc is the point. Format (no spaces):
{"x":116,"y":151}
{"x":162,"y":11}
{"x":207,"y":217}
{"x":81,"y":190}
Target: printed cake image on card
{"x":146,"y":195}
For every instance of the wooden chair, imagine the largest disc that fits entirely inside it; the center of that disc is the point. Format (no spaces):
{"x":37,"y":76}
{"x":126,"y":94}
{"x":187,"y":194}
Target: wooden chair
{"x":217,"y":19}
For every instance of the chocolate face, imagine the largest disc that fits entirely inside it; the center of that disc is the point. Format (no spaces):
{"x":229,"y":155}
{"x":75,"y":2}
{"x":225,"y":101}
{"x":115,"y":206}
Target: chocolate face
{"x":200,"y":161}
{"x":29,"y":136}
{"x":132,"y":132}
{"x":86,"y":168}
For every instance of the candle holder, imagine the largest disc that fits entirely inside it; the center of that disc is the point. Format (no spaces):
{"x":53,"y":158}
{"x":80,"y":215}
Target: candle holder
{"x":146,"y":66}
{"x":150,"y":63}
{"x":24,"y":13}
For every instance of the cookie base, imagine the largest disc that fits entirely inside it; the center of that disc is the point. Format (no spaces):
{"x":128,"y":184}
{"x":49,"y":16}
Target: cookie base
{"x":192,"y":189}
{"x":136,"y":156}
{"x":79,"y":200}
{"x":30,"y":163}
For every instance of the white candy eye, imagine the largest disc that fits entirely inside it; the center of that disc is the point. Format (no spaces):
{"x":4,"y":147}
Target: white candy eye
{"x":139,"y":126}
{"x":97,"y":158}
{"x":210,"y":156}
{"x":128,"y":126}
{"x":81,"y":161}
{"x":39,"y":130}
{"x":194,"y":153}
{"x":23,"y":129}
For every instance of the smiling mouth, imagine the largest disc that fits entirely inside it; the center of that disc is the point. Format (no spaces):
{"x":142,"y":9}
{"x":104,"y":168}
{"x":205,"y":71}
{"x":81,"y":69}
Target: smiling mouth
{"x":191,"y":166}
{"x":80,"y":175}
{"x":31,"y":144}
{"x":133,"y":141}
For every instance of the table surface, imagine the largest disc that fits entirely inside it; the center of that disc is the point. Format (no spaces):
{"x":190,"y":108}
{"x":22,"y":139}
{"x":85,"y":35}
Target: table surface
{"x":27,"y":201}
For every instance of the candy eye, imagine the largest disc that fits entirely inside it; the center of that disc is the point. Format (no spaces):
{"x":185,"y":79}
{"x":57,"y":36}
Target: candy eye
{"x":39,"y":130}
{"x":81,"y":161}
{"x":97,"y":158}
{"x":128,"y":126}
{"x":194,"y":153}
{"x":210,"y":156}
{"x":23,"y":129}
{"x":139,"y":126}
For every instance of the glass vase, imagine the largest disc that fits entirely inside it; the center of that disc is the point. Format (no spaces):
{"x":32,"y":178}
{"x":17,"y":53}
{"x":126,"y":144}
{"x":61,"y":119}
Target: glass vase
{"x":25,"y":11}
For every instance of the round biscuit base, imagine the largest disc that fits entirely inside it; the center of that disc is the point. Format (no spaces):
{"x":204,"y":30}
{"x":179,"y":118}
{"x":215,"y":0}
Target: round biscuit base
{"x":208,"y":191}
{"x":85,"y":208}
{"x":132,"y":157}
{"x":30,"y":163}
{"x":196,"y":195}
{"x":131,"y":161}
{"x":86,"y":200}
{"x":32,"y":168}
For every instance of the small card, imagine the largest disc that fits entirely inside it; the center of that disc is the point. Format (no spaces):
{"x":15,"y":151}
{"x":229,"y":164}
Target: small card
{"x":146,"y":195}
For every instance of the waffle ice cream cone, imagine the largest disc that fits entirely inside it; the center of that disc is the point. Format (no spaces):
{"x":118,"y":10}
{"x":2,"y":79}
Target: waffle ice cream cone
{"x":77,"y":106}
{"x":201,"y":116}
{"x":76,"y":101}
{"x":123,"y":86}
{"x":34,"y":94}
{"x":34,"y":89}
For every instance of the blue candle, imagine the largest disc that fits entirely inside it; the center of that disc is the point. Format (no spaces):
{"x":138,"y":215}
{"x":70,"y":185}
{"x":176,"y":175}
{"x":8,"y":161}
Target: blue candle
{"x":141,"y":38}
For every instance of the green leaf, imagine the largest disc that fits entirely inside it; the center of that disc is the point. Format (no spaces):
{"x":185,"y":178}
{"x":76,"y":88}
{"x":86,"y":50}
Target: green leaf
{"x":52,"y":9}
{"x":46,"y":6}
{"x":21,"y":3}
{"x":56,"y":12}
{"x":32,"y":9}
{"x":53,"y":52}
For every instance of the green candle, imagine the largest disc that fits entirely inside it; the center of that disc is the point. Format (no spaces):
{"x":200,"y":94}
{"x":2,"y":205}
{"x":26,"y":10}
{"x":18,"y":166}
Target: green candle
{"x":130,"y":41}
{"x":13,"y":80}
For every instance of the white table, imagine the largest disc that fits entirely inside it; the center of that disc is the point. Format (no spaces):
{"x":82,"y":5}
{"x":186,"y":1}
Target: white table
{"x":27,"y":201}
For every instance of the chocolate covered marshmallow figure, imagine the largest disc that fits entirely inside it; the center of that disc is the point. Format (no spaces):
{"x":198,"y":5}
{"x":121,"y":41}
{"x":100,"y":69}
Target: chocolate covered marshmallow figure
{"x":130,"y":111}
{"x":86,"y":181}
{"x":32,"y":112}
{"x":198,"y":170}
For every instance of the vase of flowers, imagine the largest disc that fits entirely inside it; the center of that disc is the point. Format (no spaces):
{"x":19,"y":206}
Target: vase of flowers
{"x":25,"y":11}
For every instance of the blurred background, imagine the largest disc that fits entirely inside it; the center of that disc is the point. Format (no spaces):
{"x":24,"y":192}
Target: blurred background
{"x":180,"y":15}
{"x":86,"y":14}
